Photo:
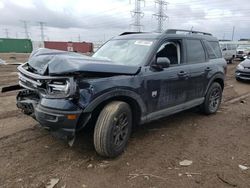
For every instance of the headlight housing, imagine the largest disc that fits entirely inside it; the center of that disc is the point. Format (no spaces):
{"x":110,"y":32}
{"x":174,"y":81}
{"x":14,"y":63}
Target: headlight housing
{"x":61,"y":88}
{"x":240,"y":67}
{"x":58,"y":87}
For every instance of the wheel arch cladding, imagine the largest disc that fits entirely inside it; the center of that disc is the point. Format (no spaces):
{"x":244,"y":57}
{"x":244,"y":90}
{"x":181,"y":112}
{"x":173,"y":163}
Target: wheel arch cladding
{"x":219,"y":78}
{"x":220,"y":81}
{"x":135,"y":102}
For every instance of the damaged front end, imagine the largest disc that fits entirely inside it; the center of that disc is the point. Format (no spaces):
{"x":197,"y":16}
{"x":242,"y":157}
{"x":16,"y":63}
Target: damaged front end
{"x":57,"y":88}
{"x":52,"y":101}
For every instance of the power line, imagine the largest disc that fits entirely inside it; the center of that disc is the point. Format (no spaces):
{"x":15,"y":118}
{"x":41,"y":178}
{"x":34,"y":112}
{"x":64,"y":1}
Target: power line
{"x":137,"y":14}
{"x":42,"y":30}
{"x":160,"y":15}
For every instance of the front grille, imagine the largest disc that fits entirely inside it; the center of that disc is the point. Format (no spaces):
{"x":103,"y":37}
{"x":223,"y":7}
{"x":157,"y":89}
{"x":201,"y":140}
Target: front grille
{"x":240,"y":52}
{"x":244,"y":74}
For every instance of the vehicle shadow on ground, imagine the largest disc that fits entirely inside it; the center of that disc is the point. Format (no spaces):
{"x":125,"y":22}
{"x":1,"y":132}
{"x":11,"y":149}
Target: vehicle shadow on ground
{"x":244,"y":81}
{"x":84,"y":140}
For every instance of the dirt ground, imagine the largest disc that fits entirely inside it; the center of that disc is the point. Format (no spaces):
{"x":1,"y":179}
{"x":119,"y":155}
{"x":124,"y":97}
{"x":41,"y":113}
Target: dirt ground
{"x":216,"y":144}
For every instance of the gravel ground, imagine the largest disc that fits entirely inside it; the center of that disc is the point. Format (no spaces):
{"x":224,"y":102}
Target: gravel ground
{"x":216,"y":144}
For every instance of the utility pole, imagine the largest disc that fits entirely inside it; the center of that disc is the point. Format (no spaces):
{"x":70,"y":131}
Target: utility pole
{"x":6,"y":32}
{"x":160,"y":15}
{"x":42,"y":30}
{"x":137,"y":14}
{"x":25,"y":29}
{"x":79,"y":38}
{"x":233,"y":33}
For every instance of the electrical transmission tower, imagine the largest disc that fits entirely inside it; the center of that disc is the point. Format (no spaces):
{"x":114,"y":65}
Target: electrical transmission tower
{"x":25,"y":26}
{"x":137,"y":14}
{"x":161,"y":15}
{"x":42,"y":30}
{"x":6,"y":32}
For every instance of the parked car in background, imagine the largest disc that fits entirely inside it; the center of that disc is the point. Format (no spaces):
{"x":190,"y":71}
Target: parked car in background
{"x":243,"y":50}
{"x":134,"y":78}
{"x":243,"y":69}
{"x":228,"y":49}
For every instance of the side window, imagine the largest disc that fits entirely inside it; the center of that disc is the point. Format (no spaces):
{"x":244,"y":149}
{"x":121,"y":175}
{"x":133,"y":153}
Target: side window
{"x":195,"y":51}
{"x":216,"y":47}
{"x":210,"y":51}
{"x":171,"y":50}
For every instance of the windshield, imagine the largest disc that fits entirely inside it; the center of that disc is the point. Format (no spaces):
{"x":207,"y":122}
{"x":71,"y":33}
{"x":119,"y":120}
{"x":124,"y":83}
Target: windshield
{"x":244,"y":46}
{"x":125,"y":52}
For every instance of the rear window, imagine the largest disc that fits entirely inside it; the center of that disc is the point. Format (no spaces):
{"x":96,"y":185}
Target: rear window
{"x":195,"y":51}
{"x":216,"y":48}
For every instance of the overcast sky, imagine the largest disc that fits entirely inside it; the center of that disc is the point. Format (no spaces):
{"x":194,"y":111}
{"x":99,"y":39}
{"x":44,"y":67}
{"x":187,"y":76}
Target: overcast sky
{"x":98,"y":20}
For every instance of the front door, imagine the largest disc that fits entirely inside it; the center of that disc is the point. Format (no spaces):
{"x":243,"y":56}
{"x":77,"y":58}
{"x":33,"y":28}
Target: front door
{"x":167,"y":87}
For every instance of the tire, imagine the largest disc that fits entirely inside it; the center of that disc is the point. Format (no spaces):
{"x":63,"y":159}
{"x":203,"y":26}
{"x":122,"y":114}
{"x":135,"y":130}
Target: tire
{"x":113,"y":129}
{"x":212,"y":99}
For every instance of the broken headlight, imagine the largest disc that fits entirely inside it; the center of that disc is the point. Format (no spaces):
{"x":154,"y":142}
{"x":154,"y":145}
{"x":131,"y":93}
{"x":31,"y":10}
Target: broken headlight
{"x":58,"y":87}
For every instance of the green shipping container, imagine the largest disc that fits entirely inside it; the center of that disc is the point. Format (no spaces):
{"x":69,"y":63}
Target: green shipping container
{"x":15,"y":45}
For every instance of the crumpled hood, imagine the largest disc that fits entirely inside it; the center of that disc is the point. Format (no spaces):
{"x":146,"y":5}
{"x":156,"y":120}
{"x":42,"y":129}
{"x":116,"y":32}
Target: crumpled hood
{"x":56,"y":62}
{"x":246,"y":63}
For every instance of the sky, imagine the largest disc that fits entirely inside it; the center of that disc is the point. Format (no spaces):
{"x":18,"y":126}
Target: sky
{"x":100,"y":20}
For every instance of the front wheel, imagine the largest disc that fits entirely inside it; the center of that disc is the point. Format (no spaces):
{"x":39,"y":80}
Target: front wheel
{"x":113,"y":128}
{"x":212,"y":99}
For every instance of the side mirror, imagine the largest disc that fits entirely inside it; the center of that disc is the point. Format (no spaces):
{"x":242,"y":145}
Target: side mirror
{"x":163,"y":62}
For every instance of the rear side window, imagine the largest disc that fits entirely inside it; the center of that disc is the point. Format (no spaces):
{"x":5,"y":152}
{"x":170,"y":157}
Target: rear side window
{"x":210,"y":50}
{"x":195,"y":51}
{"x":216,"y":48}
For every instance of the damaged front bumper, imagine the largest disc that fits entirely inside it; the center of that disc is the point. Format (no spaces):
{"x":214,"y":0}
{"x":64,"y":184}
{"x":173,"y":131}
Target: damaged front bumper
{"x":56,"y":112}
{"x":63,"y":123}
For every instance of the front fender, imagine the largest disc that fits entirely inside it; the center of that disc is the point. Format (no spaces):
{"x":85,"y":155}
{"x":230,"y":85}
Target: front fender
{"x":116,"y":93}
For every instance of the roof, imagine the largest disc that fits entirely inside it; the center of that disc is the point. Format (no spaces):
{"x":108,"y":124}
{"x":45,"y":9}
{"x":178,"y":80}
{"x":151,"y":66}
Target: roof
{"x":173,"y":33}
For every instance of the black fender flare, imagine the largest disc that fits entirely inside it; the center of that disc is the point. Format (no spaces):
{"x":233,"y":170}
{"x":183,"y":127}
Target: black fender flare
{"x":116,"y":93}
{"x":213,"y":78}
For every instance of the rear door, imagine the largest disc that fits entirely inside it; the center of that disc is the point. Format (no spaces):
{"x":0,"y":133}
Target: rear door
{"x":199,"y":67}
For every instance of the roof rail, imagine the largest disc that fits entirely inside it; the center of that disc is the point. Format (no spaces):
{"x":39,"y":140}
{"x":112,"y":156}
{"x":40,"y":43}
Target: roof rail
{"x":129,"y":33}
{"x":174,"y":31}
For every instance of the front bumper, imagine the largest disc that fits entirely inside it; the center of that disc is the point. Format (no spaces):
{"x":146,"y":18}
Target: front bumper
{"x":243,"y":75}
{"x":64,"y":123}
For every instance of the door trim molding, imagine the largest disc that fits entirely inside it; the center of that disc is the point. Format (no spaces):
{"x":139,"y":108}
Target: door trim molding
{"x":171,"y":110}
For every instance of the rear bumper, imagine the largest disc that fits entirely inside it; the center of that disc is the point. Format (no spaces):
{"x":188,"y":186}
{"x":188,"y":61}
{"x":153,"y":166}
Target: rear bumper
{"x":240,"y":55}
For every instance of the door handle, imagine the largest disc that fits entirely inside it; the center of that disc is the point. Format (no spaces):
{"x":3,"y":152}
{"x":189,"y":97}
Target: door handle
{"x":182,"y":73}
{"x":208,"y":69}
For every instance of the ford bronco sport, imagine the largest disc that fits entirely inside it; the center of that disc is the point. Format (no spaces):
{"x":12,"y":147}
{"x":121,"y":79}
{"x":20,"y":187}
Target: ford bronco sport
{"x":133,"y":79}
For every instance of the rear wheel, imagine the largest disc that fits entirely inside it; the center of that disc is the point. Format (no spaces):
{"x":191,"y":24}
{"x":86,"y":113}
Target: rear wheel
{"x":113,"y":128}
{"x":212,"y":99}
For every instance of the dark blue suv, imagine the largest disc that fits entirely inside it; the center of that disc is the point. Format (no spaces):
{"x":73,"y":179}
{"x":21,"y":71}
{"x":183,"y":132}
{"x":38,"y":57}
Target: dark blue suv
{"x":132,"y":79}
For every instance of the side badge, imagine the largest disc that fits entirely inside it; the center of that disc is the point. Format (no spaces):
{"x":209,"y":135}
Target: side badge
{"x":154,"y":94}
